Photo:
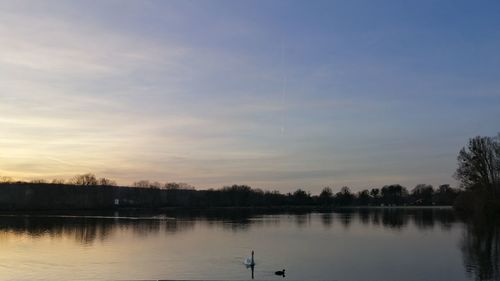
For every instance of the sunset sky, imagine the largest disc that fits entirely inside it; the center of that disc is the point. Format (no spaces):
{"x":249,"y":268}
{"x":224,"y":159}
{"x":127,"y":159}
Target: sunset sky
{"x":273,"y":94}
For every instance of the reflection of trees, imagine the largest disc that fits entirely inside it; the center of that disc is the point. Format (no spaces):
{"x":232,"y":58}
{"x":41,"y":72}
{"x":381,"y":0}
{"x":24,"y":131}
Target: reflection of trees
{"x":425,"y":219}
{"x":376,"y":218}
{"x":345,"y":219}
{"x":143,"y":228}
{"x":393,"y":218}
{"x":83,"y":230}
{"x":397,"y":218}
{"x":302,"y":220}
{"x":86,"y":230}
{"x":480,"y":247}
{"x":173,"y":226}
{"x":327,"y":219}
{"x":364,"y":215}
{"x":428,"y":218}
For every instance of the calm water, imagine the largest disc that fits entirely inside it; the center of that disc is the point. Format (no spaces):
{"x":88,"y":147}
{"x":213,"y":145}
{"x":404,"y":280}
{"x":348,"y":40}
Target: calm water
{"x":376,"y":244}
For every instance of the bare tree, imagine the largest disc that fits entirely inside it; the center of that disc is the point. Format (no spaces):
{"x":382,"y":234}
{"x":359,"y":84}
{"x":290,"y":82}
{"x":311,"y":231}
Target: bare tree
{"x":422,"y":194}
{"x":142,"y":184}
{"x":175,"y":185}
{"x":326,"y":196}
{"x":363,"y":197}
{"x":155,"y":184}
{"x":4,"y":179}
{"x":106,"y":182}
{"x":344,"y":196}
{"x":85,"y":179}
{"x":58,"y":181}
{"x":479,"y":164}
{"x":38,"y":181}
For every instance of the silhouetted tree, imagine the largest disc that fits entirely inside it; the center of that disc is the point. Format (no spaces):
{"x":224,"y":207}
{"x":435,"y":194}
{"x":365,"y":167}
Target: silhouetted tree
{"x":479,"y":164}
{"x":422,"y":194}
{"x":274,"y":198}
{"x":155,"y":184}
{"x":237,"y":195}
{"x":58,"y":181}
{"x":445,"y":195}
{"x":363,"y":198}
{"x":4,"y":179}
{"x":175,"y":185}
{"x":393,"y":194}
{"x":375,"y":194}
{"x":38,"y":181}
{"x":141,"y":184}
{"x":326,"y":196}
{"x":301,"y":197}
{"x":344,"y":196}
{"x":106,"y":182}
{"x":85,"y":179}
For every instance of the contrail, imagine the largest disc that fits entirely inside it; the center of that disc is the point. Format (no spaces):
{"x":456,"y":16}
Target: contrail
{"x":283,"y":112}
{"x":283,"y":89}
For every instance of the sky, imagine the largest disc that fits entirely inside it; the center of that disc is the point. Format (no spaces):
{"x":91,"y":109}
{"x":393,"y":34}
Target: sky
{"x":278,"y":95}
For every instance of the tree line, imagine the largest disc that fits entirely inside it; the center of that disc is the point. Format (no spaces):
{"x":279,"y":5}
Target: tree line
{"x":478,"y":173}
{"x":185,"y":195}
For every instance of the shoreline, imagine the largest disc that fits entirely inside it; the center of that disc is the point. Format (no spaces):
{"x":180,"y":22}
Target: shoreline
{"x":209,"y":210}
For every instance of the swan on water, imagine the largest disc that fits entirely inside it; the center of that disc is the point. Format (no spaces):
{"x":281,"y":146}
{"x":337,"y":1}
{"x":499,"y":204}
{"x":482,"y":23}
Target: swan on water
{"x":249,"y":261}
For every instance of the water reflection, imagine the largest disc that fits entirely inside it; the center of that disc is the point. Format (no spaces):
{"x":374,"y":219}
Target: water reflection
{"x":479,"y":244}
{"x":302,"y":220}
{"x":85,"y":229}
{"x":327,"y":219}
{"x":480,"y":247}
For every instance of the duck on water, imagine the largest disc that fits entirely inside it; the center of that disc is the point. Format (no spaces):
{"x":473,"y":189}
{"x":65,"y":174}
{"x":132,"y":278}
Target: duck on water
{"x":280,"y":273}
{"x":250,"y":262}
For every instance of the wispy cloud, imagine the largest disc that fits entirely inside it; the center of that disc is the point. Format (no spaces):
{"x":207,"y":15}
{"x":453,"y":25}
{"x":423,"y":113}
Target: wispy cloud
{"x":187,"y":91}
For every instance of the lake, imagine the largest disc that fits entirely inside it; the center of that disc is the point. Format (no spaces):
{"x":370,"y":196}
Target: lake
{"x":348,"y":244}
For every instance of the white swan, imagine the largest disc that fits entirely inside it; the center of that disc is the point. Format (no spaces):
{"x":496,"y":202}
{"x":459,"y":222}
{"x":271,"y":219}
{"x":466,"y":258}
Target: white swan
{"x":249,"y":261}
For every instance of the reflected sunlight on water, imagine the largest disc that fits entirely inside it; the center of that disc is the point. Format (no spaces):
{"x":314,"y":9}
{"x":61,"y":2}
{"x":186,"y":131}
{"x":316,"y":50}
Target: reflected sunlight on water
{"x":363,"y":244}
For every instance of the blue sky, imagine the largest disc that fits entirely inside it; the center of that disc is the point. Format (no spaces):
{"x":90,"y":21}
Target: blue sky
{"x":274,"y":94}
